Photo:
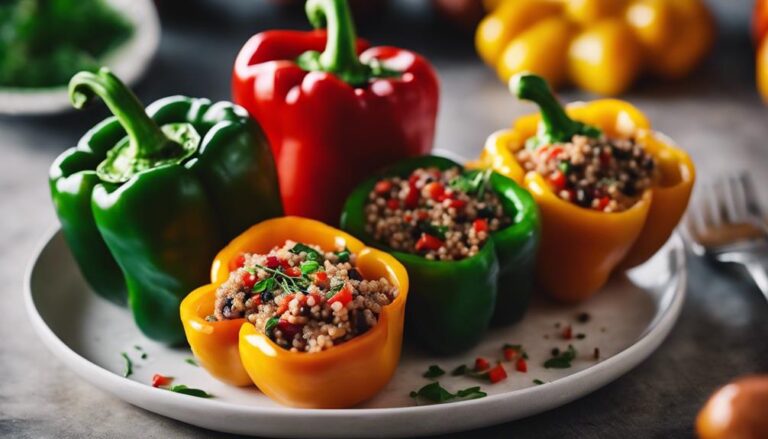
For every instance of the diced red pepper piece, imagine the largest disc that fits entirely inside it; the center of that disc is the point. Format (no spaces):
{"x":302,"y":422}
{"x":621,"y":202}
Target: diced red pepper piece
{"x":408,"y":217}
{"x":602,"y":203}
{"x":568,"y":332}
{"x":553,"y":152}
{"x":293,"y":271}
{"x":272,"y":262}
{"x":383,"y":187}
{"x":249,"y":279}
{"x":393,"y":204}
{"x":412,"y":180}
{"x":557,"y":180}
{"x":412,"y":198}
{"x":521,"y":365}
{"x":428,"y":242}
{"x":288,"y":329}
{"x":161,"y":380}
{"x":605,"y":158}
{"x":510,"y":354}
{"x":236,"y":263}
{"x":458,"y":204}
{"x":480,"y":225}
{"x":344,"y":295}
{"x":422,"y":215}
{"x":481,"y":364}
{"x":435,"y":190}
{"x":284,"y":304}
{"x":321,"y":277}
{"x":497,"y":374}
{"x":318,"y":298}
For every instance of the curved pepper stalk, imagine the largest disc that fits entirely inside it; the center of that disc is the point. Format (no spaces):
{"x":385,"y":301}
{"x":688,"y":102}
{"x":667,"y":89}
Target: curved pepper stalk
{"x":452,"y":303}
{"x":152,"y":235}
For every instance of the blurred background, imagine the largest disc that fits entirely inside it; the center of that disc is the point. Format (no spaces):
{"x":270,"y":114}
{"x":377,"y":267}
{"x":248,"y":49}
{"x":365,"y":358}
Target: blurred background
{"x":715,"y":113}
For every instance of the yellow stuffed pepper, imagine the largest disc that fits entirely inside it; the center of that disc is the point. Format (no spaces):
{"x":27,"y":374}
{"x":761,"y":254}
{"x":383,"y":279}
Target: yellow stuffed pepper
{"x":599,"y":45}
{"x":256,"y":322}
{"x":609,"y":189}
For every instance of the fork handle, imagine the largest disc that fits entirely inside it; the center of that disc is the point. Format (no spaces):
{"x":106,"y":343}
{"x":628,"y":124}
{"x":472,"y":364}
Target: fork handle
{"x":758,"y":272}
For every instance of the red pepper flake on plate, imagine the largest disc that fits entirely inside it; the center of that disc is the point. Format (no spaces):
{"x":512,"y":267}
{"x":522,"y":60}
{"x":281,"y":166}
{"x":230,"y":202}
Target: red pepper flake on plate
{"x":497,"y":374}
{"x":159,"y":380}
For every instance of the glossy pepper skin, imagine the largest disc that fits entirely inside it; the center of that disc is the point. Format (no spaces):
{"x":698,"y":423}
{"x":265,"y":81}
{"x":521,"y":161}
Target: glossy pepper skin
{"x":452,"y":303}
{"x":325,"y":111}
{"x":598,"y":45}
{"x":760,"y":34}
{"x":148,"y":226}
{"x":581,"y":247}
{"x":235,"y":352}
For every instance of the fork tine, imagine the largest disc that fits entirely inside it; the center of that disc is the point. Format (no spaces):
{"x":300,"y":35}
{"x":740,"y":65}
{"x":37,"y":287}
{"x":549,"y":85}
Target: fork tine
{"x":710,"y":209}
{"x":752,"y":203}
{"x":736,"y":199}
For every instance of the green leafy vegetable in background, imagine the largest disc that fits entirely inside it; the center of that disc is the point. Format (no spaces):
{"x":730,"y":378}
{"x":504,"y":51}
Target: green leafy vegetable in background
{"x":181,"y":388}
{"x":44,"y":42}
{"x":435,"y":393}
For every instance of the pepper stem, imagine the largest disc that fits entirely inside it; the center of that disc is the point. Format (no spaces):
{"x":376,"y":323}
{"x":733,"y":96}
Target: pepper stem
{"x":556,"y":126}
{"x":147,"y":145}
{"x":340,"y":54}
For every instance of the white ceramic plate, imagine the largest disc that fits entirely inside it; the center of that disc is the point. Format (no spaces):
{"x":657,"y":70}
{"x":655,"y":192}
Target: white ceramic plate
{"x":129,"y":61}
{"x":630,"y":318}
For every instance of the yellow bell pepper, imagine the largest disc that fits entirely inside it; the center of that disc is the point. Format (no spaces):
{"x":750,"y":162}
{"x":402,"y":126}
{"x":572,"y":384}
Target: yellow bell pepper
{"x":760,"y":31}
{"x":237,"y":353}
{"x":581,"y":247}
{"x":599,"y":45}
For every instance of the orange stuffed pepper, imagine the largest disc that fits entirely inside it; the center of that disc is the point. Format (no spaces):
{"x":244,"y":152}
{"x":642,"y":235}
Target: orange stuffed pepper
{"x":610,"y":190}
{"x":302,"y":310}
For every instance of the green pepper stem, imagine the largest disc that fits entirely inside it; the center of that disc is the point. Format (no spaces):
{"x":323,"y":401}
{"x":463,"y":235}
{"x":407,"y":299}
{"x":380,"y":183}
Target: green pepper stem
{"x":557,"y":126}
{"x":145,"y":138}
{"x":340,"y":54}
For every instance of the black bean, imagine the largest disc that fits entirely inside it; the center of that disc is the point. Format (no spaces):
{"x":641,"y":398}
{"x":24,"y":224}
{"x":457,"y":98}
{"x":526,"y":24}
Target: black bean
{"x":266,"y":296}
{"x":354,"y":274}
{"x":304,"y":310}
{"x":485,"y":212}
{"x":359,"y":323}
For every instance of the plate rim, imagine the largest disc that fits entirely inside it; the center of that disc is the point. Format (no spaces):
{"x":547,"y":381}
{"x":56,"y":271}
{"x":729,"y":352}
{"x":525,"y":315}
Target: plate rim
{"x":569,"y":388}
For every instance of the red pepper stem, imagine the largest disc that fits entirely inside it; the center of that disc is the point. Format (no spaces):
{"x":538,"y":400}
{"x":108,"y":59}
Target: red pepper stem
{"x":340,"y":54}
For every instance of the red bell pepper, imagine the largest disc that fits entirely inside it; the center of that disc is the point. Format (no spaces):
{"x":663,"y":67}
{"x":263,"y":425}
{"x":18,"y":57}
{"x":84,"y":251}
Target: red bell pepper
{"x":335,"y":117}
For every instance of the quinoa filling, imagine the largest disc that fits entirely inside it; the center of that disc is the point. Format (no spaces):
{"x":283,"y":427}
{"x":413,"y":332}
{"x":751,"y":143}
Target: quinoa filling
{"x":440,"y":215}
{"x":608,"y":175}
{"x":303,"y":299}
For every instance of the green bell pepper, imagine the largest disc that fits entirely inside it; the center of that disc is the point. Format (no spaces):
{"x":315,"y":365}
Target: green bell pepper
{"x":452,"y":303}
{"x":147,"y":197}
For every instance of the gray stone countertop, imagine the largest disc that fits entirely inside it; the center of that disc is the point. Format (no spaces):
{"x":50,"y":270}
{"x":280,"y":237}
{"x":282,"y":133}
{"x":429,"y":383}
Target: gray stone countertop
{"x":716,"y":115}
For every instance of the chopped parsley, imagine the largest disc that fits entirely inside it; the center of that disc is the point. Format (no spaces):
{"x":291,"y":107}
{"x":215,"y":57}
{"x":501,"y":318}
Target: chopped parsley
{"x":181,"y":388}
{"x":312,"y":254}
{"x":343,"y":255}
{"x":472,"y":182}
{"x":128,"y":369}
{"x":191,"y":361}
{"x":538,"y":382}
{"x":434,"y":371}
{"x":563,"y":360}
{"x":269,"y":327}
{"x":309,"y":267}
{"x":459,"y":371}
{"x":435,"y":393}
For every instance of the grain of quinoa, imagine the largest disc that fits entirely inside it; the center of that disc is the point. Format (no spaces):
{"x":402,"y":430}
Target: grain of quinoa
{"x":302,"y":298}
{"x":607,"y":175}
{"x":441,"y":215}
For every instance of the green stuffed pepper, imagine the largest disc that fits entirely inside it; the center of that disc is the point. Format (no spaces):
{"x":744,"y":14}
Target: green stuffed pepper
{"x":147,"y":197}
{"x":467,"y":238}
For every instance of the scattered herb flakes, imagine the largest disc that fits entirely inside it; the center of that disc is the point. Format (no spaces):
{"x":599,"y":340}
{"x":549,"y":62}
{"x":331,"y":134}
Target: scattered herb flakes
{"x":309,"y":267}
{"x":137,"y":347}
{"x":269,"y":327}
{"x":312,"y":254}
{"x":538,"y":382}
{"x":144,"y":355}
{"x":583,"y":317}
{"x":596,"y":354}
{"x":181,"y":388}
{"x":459,"y":370}
{"x":603,"y":329}
{"x":343,"y":255}
{"x":434,"y":371}
{"x":562,"y":361}
{"x":435,"y":393}
{"x":557,"y":325}
{"x":581,"y":336}
{"x":567,"y":333}
{"x":128,"y":370}
{"x":555,"y":352}
{"x":191,"y":361}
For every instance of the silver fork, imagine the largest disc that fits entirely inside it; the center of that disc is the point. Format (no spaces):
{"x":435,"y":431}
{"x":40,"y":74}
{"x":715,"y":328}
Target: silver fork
{"x":726,"y":224}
